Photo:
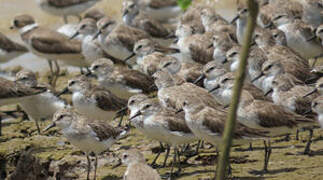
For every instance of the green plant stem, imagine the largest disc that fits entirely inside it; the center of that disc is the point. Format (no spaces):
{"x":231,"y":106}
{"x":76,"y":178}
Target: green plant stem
{"x":240,"y":76}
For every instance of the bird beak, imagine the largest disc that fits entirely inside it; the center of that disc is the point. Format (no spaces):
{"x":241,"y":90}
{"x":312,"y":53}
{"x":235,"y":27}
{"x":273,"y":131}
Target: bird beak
{"x":235,"y":19}
{"x":49,"y":127}
{"x":311,"y":38}
{"x":136,"y":115}
{"x":259,"y":76}
{"x":90,"y":74}
{"x":74,"y":35}
{"x":311,"y":92}
{"x":64,"y":91}
{"x":225,"y":61}
{"x":199,"y":79}
{"x":215,"y":88}
{"x":11,"y":27}
{"x":96,"y":35}
{"x":268,"y":92}
{"x":128,"y":58}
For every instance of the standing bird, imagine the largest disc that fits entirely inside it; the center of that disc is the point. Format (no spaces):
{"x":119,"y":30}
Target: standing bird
{"x":94,"y":101}
{"x":41,"y":106}
{"x":49,"y":44}
{"x":89,"y":135}
{"x":66,"y":8}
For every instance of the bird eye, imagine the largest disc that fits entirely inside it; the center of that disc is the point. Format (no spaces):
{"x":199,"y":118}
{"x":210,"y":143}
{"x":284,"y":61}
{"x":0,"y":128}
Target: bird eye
{"x":233,"y":54}
{"x":95,"y":67}
{"x":83,"y":26}
{"x":125,"y":156}
{"x":139,"y":47}
{"x":210,"y":69}
{"x":16,"y":23}
{"x":315,"y":104}
{"x":185,"y":103}
{"x":268,"y":67}
{"x":72,"y":83}
{"x":131,"y":102}
{"x":167,"y":64}
{"x":225,"y":80}
{"x":147,"y":106}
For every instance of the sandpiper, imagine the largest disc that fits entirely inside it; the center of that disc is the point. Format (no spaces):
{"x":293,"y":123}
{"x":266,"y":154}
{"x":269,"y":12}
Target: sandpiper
{"x":13,"y":93}
{"x":94,"y":101}
{"x":297,"y":33}
{"x":208,"y":123}
{"x":150,"y":54}
{"x":272,"y":68}
{"x":194,"y":47}
{"x":214,"y":23}
{"x":164,"y":125}
{"x":10,"y":49}
{"x":87,"y":134}
{"x":215,"y":74}
{"x":161,"y":10}
{"x":192,"y":17}
{"x":137,"y":167}
{"x":66,"y":8}
{"x":317,"y":106}
{"x":118,"y":39}
{"x":42,"y":106}
{"x":222,"y":42}
{"x":291,"y":96}
{"x":266,"y":40}
{"x":172,"y":95}
{"x":91,"y":49}
{"x":133,"y":16}
{"x":49,"y":44}
{"x":110,"y":75}
{"x":185,"y":70}
{"x":134,"y":106}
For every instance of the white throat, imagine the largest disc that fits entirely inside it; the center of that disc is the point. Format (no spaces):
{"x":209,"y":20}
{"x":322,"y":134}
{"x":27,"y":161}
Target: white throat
{"x":28,"y":28}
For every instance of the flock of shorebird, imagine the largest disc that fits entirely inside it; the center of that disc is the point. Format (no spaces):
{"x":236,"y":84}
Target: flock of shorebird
{"x":193,"y":77}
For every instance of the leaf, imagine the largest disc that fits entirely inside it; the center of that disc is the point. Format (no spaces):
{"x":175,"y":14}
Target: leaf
{"x":184,"y":4}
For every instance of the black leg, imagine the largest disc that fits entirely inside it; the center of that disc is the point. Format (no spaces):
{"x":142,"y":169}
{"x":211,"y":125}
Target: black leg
{"x":297,"y":132}
{"x":173,"y":162}
{"x":307,"y":149}
{"x":250,"y":147}
{"x":267,"y":155}
{"x":178,"y":161}
{"x":120,"y":122}
{"x":95,"y":166}
{"x":153,"y":164}
{"x":88,"y":166}
{"x":166,"y":156}
{"x":37,"y":125}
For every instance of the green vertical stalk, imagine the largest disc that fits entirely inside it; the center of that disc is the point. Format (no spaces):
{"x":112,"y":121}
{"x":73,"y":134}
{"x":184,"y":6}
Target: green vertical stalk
{"x":240,"y":76}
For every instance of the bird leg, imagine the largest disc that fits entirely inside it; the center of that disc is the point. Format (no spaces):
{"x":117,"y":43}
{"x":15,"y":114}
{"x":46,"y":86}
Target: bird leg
{"x":267,"y":155}
{"x":37,"y":125}
{"x":166,"y":156}
{"x":56,"y":74}
{"x":153,"y":164}
{"x":0,"y":125}
{"x":95,"y":165}
{"x":297,"y":135}
{"x":173,"y":162}
{"x":250,"y":147}
{"x":307,"y":149}
{"x":88,"y":166}
{"x":50,"y":64}
{"x":178,"y":161}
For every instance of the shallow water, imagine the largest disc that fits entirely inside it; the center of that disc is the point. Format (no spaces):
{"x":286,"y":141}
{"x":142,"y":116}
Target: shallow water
{"x":11,"y":8}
